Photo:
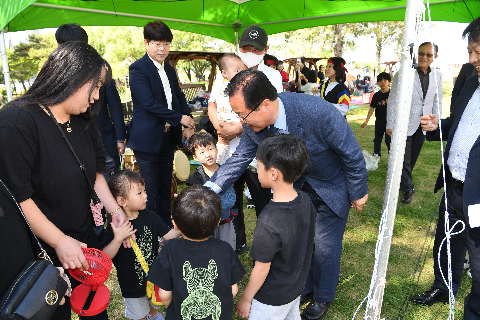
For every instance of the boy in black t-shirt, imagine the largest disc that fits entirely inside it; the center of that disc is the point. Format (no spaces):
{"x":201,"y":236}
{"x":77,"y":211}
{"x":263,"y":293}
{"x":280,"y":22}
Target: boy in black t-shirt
{"x":202,"y":146}
{"x":197,"y":275}
{"x":282,"y":243}
{"x":379,"y":104}
{"x":128,"y":188}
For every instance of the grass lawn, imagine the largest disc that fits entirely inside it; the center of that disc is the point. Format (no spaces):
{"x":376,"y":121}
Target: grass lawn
{"x":410,"y":232}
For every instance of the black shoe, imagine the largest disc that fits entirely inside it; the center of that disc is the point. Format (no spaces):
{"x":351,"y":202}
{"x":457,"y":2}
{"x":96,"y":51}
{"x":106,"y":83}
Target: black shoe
{"x":304,"y":298}
{"x":242,"y":249}
{"x":429,"y":297}
{"x":407,"y":196}
{"x":315,"y":310}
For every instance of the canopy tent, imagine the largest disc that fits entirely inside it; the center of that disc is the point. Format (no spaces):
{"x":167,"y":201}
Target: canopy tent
{"x":218,"y":18}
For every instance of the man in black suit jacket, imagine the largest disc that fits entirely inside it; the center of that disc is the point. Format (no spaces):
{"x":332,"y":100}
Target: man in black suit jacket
{"x":159,"y":111}
{"x":462,"y":176}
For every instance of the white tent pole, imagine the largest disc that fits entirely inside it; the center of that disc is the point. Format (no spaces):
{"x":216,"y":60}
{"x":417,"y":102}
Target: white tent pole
{"x":6,"y":69}
{"x":395,"y":162}
{"x":123,"y":14}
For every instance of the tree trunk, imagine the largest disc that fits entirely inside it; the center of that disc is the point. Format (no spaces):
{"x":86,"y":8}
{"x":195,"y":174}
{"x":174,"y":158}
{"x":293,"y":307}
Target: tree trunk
{"x":379,"y":51}
{"x":338,"y":48}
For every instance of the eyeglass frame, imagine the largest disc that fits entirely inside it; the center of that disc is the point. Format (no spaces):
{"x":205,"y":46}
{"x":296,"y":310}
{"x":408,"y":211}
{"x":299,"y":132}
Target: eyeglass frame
{"x":157,"y":45}
{"x":423,"y":54}
{"x":244,"y":118}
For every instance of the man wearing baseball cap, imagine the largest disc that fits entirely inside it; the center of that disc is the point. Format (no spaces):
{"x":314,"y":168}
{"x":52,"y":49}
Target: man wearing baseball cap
{"x":253,"y":47}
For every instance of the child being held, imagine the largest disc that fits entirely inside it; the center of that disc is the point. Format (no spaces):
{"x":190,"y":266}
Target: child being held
{"x":379,"y":104}
{"x":128,"y":188}
{"x":197,"y":274}
{"x":230,"y":64}
{"x":202,"y":146}
{"x":283,"y":239}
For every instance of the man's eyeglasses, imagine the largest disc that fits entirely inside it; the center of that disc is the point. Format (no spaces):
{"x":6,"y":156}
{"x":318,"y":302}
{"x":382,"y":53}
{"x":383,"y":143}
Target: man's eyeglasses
{"x":158,"y":45}
{"x":245,"y":118}
{"x":423,"y":54}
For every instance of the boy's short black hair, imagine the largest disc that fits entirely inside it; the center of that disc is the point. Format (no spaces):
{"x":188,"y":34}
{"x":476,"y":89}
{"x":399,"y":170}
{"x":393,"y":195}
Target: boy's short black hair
{"x":286,"y":153}
{"x":70,"y":32}
{"x":199,"y":139}
{"x":157,"y":31}
{"x":121,"y":182}
{"x":197,"y":211}
{"x":222,"y":64}
{"x":311,"y":76}
{"x":384,"y":75}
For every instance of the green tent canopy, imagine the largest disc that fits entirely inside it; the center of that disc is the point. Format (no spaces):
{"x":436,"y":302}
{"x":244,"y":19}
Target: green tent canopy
{"x":218,"y":18}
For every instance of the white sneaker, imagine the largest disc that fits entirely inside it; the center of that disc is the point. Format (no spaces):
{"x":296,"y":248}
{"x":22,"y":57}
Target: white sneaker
{"x":377,"y":157}
{"x":469,"y":273}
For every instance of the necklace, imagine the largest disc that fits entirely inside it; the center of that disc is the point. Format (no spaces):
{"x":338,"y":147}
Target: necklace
{"x":69,"y":129}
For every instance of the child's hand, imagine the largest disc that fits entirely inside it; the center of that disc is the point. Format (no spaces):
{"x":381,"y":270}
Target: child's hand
{"x":243,"y":307}
{"x":123,"y":232}
{"x":364,"y":124}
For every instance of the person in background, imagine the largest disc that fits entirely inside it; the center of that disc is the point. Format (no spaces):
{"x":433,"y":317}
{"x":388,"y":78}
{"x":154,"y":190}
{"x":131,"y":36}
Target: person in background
{"x":197,"y":275}
{"x":311,"y":85}
{"x":425,"y":100}
{"x":158,"y":116}
{"x":283,"y":73}
{"x":301,"y":71}
{"x":321,"y":74}
{"x":270,"y":61}
{"x":110,"y":118}
{"x":334,"y":89}
{"x":462,"y":177}
{"x":379,"y":105}
{"x":39,"y":167}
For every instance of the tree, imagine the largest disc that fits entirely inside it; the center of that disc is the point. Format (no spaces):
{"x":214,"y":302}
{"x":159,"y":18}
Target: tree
{"x":384,"y":33}
{"x":22,"y":66}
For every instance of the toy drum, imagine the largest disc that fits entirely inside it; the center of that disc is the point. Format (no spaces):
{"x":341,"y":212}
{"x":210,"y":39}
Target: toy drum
{"x":181,"y":170}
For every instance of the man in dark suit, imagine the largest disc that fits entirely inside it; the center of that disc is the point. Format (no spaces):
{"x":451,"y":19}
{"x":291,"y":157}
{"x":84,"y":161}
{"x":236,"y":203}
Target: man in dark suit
{"x":110,"y":122}
{"x":335,"y":179}
{"x":466,"y":71}
{"x":462,"y":176}
{"x":159,"y":111}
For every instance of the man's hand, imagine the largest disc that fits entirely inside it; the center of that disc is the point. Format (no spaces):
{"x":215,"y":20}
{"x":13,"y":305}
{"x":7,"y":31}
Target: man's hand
{"x":358,"y":204}
{"x":243,"y":307}
{"x":429,"y":123}
{"x":121,"y":148}
{"x":187,"y":133}
{"x":187,"y":121}
{"x":389,"y":132}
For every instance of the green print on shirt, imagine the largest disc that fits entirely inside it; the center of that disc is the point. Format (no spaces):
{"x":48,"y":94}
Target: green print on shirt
{"x":201,"y":302}
{"x":144,"y":243}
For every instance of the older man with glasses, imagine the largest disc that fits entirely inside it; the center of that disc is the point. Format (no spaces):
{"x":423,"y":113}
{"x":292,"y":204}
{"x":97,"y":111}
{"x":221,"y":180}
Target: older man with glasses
{"x":426,"y":99}
{"x":335,"y":180}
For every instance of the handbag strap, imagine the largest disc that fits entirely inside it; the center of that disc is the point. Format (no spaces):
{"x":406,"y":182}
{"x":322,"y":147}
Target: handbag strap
{"x":139,"y":255}
{"x":43,"y":254}
{"x":82,"y":166}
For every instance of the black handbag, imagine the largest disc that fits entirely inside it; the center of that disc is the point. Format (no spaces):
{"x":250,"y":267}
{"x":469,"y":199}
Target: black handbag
{"x":38,"y":288}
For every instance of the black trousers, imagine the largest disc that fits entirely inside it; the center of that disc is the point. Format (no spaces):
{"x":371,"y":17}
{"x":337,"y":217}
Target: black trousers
{"x":156,"y":169}
{"x":412,"y":151}
{"x":377,"y":141}
{"x":260,"y":196}
{"x":459,"y":244}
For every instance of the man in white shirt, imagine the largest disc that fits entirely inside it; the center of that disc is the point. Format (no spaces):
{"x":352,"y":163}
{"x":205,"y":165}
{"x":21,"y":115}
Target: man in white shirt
{"x":159,"y":111}
{"x":462,"y":177}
